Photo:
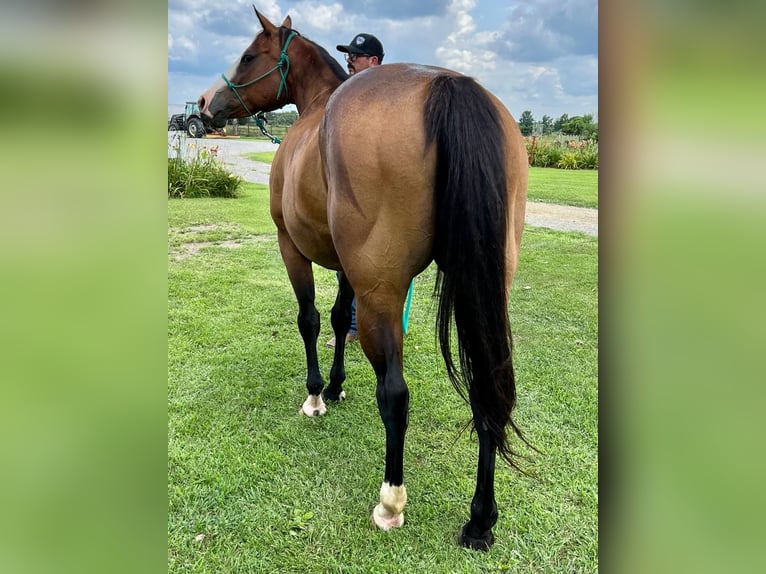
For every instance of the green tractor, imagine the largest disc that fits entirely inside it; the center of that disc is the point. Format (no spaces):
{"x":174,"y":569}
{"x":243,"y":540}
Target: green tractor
{"x":190,"y":121}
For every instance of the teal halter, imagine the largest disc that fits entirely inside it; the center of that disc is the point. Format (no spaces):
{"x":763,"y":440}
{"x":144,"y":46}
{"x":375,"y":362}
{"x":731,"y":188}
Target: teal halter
{"x":283,"y":65}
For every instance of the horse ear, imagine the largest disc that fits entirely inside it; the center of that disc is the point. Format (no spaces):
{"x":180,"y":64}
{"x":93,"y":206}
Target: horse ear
{"x":265,"y":24}
{"x":288,"y":23}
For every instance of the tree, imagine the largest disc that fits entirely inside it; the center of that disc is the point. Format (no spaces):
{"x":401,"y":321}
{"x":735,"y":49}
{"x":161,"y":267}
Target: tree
{"x":593,"y":135}
{"x":526,"y":123}
{"x":573,"y":127}
{"x":559,"y":123}
{"x":589,"y":129}
{"x":281,"y":118}
{"x":547,"y":122}
{"x":582,"y":126}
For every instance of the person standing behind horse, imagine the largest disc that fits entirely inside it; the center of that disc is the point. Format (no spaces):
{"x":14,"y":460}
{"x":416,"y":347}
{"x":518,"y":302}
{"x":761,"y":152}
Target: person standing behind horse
{"x":364,"y":51}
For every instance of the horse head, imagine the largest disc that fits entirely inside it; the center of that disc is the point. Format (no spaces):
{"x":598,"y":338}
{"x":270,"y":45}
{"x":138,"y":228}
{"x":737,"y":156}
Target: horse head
{"x":256,"y":82}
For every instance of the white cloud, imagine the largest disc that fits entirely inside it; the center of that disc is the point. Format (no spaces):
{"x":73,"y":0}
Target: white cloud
{"x":323,"y":17}
{"x":459,"y":11}
{"x":181,"y":48}
{"x":467,"y":61}
{"x":463,"y":49}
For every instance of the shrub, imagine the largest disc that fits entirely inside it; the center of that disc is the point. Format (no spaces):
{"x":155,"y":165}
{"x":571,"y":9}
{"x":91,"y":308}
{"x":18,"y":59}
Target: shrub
{"x":551,"y":152}
{"x":589,"y":157}
{"x":569,"y":160}
{"x":201,"y":176}
{"x":547,"y":155}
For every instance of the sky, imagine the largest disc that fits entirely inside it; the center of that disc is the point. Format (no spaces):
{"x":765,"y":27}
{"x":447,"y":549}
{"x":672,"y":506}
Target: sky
{"x":536,"y":55}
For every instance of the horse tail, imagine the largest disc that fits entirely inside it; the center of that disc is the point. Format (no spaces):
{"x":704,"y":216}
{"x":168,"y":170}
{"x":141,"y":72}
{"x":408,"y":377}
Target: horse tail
{"x":471,"y":213}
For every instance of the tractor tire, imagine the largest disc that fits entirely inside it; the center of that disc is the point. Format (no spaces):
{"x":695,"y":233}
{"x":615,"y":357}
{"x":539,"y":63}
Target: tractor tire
{"x":196,"y":128}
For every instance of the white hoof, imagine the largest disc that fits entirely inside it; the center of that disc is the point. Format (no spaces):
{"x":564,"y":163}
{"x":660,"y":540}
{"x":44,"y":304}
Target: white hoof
{"x":384,"y":520}
{"x":390,"y":512}
{"x":314,"y":406}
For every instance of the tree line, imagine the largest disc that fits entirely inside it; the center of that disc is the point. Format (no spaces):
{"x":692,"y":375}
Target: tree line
{"x":274,"y":119}
{"x":582,"y":126}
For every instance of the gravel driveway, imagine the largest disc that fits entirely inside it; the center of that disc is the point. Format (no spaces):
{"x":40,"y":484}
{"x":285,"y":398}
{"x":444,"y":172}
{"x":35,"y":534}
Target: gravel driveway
{"x":231,"y":152}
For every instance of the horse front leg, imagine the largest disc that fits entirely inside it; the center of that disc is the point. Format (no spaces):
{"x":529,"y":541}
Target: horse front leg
{"x":477,"y":532}
{"x":301,"y":275}
{"x":341,"y":322}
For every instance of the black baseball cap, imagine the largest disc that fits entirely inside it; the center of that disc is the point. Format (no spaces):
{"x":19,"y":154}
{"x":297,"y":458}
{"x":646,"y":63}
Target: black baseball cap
{"x":363,"y":44}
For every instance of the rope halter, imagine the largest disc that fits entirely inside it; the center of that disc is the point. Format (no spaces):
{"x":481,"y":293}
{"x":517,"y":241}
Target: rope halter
{"x":283,"y":65}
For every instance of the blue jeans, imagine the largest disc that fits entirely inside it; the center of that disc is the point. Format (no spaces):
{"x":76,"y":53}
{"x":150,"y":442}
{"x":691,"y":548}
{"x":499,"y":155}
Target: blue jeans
{"x":352,"y":329}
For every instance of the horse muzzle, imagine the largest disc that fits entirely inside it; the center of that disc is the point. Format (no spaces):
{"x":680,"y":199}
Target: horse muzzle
{"x":212,"y":108}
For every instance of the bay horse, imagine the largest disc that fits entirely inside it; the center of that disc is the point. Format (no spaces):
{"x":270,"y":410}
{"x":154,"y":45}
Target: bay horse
{"x":351,"y":194}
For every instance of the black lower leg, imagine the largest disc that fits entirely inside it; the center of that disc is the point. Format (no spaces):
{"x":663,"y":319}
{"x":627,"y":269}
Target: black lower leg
{"x":477,"y":532}
{"x":341,"y":323}
{"x":308,"y":325}
{"x":393,"y":406}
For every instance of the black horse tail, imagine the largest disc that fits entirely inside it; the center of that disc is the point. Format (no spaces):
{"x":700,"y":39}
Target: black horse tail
{"x":471,"y":212}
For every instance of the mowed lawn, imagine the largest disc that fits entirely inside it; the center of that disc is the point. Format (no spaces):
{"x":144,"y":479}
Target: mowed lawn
{"x":577,"y":187}
{"x":254,"y":487}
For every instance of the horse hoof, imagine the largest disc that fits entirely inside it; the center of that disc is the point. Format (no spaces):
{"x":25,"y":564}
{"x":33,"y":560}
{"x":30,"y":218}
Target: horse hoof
{"x":482,"y":542}
{"x":334,"y":397}
{"x":313,"y":406}
{"x":384,"y":520}
{"x":389,"y":513}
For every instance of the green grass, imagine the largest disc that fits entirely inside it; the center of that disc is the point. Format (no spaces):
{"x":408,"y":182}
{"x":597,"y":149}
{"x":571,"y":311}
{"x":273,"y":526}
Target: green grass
{"x":566,"y":187}
{"x":219,"y":219}
{"x":262,"y":156}
{"x":254,"y":487}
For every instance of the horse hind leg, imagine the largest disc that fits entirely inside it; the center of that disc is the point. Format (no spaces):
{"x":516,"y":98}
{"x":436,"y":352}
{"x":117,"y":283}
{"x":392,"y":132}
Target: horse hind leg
{"x":477,"y":532}
{"x":393,"y":404}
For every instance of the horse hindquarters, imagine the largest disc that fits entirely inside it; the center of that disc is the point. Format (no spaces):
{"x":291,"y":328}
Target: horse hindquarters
{"x":391,"y":212}
{"x":471,"y":238}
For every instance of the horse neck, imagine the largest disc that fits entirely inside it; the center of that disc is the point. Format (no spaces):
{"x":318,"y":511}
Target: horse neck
{"x":311,"y":80}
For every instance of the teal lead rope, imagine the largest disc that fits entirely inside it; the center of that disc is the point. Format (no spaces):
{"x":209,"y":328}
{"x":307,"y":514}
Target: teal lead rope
{"x":406,"y":316}
{"x":260,"y":122}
